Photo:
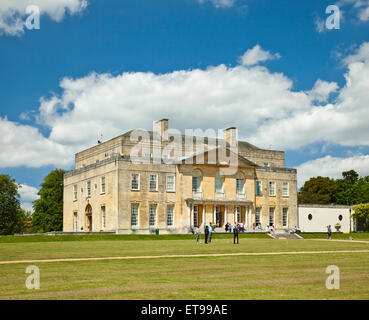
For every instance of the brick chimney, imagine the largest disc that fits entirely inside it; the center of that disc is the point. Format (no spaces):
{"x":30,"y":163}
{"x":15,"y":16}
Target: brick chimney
{"x":161,"y":127}
{"x":230,"y":136}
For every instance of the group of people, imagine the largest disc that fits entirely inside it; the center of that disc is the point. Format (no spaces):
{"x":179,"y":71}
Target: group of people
{"x":208,"y":231}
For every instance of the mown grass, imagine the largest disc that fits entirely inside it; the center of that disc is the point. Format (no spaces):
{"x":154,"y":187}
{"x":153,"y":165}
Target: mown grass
{"x":337,"y":236}
{"x":258,"y":277}
{"x":234,"y":277}
{"x":118,"y":237}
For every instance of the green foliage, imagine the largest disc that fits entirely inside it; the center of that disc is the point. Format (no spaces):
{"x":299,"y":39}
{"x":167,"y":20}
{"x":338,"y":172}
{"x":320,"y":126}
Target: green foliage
{"x":361,"y":213}
{"x":48,"y":209}
{"x":319,"y":190}
{"x":349,"y":190}
{"x":11,"y":214}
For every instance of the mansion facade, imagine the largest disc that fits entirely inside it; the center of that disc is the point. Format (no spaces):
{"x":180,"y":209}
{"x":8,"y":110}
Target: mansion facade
{"x":114,"y":188}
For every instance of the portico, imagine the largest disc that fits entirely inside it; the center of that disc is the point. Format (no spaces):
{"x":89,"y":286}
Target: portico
{"x":219,"y":212}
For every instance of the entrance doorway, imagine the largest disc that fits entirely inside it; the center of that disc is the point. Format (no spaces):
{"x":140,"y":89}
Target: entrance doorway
{"x":88,"y":218}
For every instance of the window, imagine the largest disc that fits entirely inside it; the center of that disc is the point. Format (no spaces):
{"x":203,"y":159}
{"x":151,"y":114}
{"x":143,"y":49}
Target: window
{"x":285,"y":217}
{"x":218,"y":185}
{"x":257,"y":216}
{"x":340,"y":217}
{"x":103,"y":217}
{"x":196,"y":184}
{"x":134,"y":214}
{"x":75,"y":221}
{"x":75,"y":192}
{"x":170,"y":211}
{"x":195,"y":216}
{"x":153,"y":182}
{"x":266,"y":164}
{"x":271,"y":216}
{"x":239,"y":186}
{"x":102,"y":185}
{"x":272,"y":189}
{"x":152,"y":215}
{"x":238,"y":214}
{"x":171,"y":183}
{"x":259,"y":191}
{"x":310,"y":216}
{"x":285,"y":189}
{"x":135,"y":181}
{"x":88,"y":188}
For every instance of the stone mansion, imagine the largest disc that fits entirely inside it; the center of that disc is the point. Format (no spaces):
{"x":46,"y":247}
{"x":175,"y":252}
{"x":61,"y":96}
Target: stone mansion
{"x":116,"y":188}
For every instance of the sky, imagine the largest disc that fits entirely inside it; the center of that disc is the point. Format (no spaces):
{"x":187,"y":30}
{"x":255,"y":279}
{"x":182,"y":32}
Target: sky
{"x":275,"y":69}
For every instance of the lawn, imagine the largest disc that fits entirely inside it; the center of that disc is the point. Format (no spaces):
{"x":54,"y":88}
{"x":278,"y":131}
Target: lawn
{"x":226,"y":277}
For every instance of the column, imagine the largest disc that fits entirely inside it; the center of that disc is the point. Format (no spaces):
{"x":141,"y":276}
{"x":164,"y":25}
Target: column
{"x":190,"y":213}
{"x":225,"y":214}
{"x":246,"y":217}
{"x":214,"y":213}
{"x":203,"y":215}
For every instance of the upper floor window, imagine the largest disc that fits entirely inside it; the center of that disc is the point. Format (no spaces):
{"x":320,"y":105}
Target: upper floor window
{"x":88,"y":188}
{"x":240,"y":183}
{"x":285,"y":189}
{"x":196,"y":181}
{"x":266,"y":164}
{"x":75,"y":192}
{"x":219,"y":185}
{"x":135,"y":181}
{"x":171,"y":187}
{"x":259,"y":190}
{"x":102,"y":185}
{"x":272,"y":188}
{"x":153,"y":182}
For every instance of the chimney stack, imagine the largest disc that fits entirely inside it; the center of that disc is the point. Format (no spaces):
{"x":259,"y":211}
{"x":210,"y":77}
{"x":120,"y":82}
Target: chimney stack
{"x":230,"y":136}
{"x":161,"y":127}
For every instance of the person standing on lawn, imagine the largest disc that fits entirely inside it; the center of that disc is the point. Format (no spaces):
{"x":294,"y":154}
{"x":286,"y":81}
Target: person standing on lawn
{"x":197,"y":232}
{"x":206,"y":234}
{"x":235,"y":233}
{"x":329,"y":232}
{"x":210,"y":232}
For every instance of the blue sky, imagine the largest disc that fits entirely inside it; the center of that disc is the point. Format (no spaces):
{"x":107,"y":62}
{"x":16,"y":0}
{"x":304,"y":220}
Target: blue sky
{"x":86,"y":49}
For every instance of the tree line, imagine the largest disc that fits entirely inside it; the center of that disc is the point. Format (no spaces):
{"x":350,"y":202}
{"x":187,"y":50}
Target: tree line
{"x":48,"y":209}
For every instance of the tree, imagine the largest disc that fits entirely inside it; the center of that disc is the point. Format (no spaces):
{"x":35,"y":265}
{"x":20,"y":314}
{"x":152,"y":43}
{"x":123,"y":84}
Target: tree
{"x":48,"y":209}
{"x":11,"y":217}
{"x":319,"y":190}
{"x":361,"y":213}
{"x":350,"y":177}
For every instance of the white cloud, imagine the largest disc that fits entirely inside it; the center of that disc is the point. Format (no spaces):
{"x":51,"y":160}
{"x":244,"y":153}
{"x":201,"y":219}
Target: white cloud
{"x":27,"y":195}
{"x":319,"y":24}
{"x":332,"y":167}
{"x":220,"y":3}
{"x":343,"y":122}
{"x":322,"y":90}
{"x":23,"y":145}
{"x":262,"y":104}
{"x":255,"y":55}
{"x":358,"y":7}
{"x":13,"y":12}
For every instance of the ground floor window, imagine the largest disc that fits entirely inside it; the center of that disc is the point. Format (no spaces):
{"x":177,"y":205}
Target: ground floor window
{"x":285,"y":217}
{"x":195,"y":216}
{"x":103,"y":217}
{"x":238,"y":214}
{"x":271,"y":216}
{"x":134,"y":214}
{"x":170,"y":211}
{"x":257,"y":216}
{"x":152,"y":213}
{"x":75,"y":222}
